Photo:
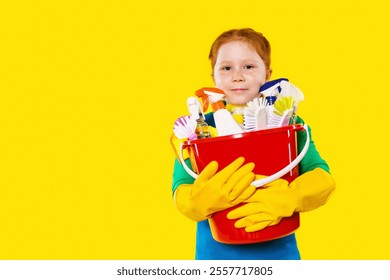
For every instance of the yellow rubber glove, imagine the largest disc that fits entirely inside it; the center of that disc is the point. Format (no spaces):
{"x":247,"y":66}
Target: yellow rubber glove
{"x":268,"y":205}
{"x":212,"y":192}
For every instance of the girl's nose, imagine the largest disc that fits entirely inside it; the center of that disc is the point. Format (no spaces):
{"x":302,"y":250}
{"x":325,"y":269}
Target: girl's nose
{"x":238,"y":76}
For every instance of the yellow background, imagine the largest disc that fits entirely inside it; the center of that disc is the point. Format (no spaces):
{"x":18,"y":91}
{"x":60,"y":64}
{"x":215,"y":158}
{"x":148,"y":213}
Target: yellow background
{"x":89,"y":93}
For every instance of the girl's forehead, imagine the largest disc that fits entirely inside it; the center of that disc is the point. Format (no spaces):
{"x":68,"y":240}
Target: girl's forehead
{"x":237,"y":49}
{"x":237,"y":45}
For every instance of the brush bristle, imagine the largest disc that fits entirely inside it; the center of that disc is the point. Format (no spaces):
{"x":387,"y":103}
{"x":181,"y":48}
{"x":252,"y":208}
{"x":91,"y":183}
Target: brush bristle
{"x":184,"y":127}
{"x":255,"y":117}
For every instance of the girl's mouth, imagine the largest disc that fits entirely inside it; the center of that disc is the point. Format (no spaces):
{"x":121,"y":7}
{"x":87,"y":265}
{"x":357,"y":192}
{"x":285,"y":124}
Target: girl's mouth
{"x":238,"y":90}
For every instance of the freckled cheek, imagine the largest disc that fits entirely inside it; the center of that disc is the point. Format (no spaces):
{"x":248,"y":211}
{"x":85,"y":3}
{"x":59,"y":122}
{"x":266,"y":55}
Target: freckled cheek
{"x":221,"y":81}
{"x":257,"y":79}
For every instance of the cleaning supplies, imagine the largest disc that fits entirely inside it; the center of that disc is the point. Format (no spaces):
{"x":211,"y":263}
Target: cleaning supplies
{"x":270,"y":91}
{"x":282,"y":113}
{"x":184,"y":128}
{"x":224,"y":121}
{"x":237,"y":112}
{"x":189,"y":128}
{"x":202,"y":129}
{"x":288,"y":89}
{"x":255,"y":114}
{"x":272,"y":88}
{"x":276,"y":106}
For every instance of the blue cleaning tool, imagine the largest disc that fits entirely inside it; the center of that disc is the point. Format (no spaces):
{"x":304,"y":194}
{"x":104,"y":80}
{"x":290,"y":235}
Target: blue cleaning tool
{"x":271,"y":89}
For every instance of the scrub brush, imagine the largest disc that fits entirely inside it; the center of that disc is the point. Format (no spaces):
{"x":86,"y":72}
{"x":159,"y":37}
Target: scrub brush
{"x":288,"y":89}
{"x":185,"y":127}
{"x":283,"y":111}
{"x":255,"y":114}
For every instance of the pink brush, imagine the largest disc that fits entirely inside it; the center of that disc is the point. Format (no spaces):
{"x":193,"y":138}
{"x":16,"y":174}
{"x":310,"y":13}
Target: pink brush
{"x":184,"y":127}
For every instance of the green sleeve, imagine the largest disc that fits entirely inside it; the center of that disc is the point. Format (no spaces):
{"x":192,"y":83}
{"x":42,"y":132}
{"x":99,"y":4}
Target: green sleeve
{"x":312,"y":159}
{"x":180,"y":175}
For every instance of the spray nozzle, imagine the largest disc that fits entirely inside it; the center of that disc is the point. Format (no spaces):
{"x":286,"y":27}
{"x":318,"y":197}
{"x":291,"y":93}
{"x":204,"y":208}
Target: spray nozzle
{"x":211,"y":96}
{"x":194,"y":108}
{"x":272,"y":88}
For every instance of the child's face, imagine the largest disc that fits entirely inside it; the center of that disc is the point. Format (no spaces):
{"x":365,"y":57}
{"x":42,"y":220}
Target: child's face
{"x":240,"y":72}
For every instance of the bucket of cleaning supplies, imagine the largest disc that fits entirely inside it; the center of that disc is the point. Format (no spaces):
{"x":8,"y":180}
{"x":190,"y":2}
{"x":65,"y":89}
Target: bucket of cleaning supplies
{"x":274,"y":152}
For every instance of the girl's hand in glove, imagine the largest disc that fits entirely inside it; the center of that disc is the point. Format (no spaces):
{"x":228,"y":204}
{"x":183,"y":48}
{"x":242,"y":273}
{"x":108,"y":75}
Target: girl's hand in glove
{"x":268,"y":205}
{"x":212,"y":192}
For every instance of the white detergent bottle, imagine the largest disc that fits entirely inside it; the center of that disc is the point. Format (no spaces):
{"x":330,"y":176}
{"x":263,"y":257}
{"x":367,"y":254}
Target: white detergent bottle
{"x":224,"y":121}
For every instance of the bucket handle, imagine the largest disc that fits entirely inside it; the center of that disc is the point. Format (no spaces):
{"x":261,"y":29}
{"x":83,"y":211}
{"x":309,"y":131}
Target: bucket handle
{"x":266,"y":180}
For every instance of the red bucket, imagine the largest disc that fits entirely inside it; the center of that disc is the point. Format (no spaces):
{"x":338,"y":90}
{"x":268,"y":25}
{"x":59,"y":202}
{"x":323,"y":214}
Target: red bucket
{"x":274,"y":152}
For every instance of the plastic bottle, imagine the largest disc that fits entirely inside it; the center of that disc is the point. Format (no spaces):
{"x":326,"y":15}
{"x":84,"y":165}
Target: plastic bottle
{"x":224,"y":121}
{"x":202,"y":128}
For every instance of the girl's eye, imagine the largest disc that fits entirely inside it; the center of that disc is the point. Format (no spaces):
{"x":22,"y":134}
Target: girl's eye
{"x":248,"y":67}
{"x":226,"y":68}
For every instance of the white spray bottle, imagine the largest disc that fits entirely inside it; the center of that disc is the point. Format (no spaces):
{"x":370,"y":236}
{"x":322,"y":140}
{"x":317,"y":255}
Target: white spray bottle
{"x":224,"y":121}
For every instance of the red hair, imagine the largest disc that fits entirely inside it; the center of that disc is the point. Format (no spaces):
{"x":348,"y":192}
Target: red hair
{"x":247,"y":35}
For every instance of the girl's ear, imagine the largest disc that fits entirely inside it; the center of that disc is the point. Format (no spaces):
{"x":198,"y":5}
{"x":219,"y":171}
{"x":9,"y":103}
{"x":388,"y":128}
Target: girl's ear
{"x":268,"y":75}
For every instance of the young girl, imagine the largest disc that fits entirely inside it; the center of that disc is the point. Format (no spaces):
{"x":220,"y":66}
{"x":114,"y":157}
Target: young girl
{"x":240,"y":60}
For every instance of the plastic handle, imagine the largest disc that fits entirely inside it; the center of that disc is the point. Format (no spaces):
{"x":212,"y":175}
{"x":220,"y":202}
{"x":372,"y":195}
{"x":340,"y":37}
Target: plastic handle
{"x":189,"y":171}
{"x":266,"y":180}
{"x":280,"y":173}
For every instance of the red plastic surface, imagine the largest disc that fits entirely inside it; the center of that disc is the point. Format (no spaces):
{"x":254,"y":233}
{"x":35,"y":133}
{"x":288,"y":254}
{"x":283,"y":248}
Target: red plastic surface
{"x":271,"y":150}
